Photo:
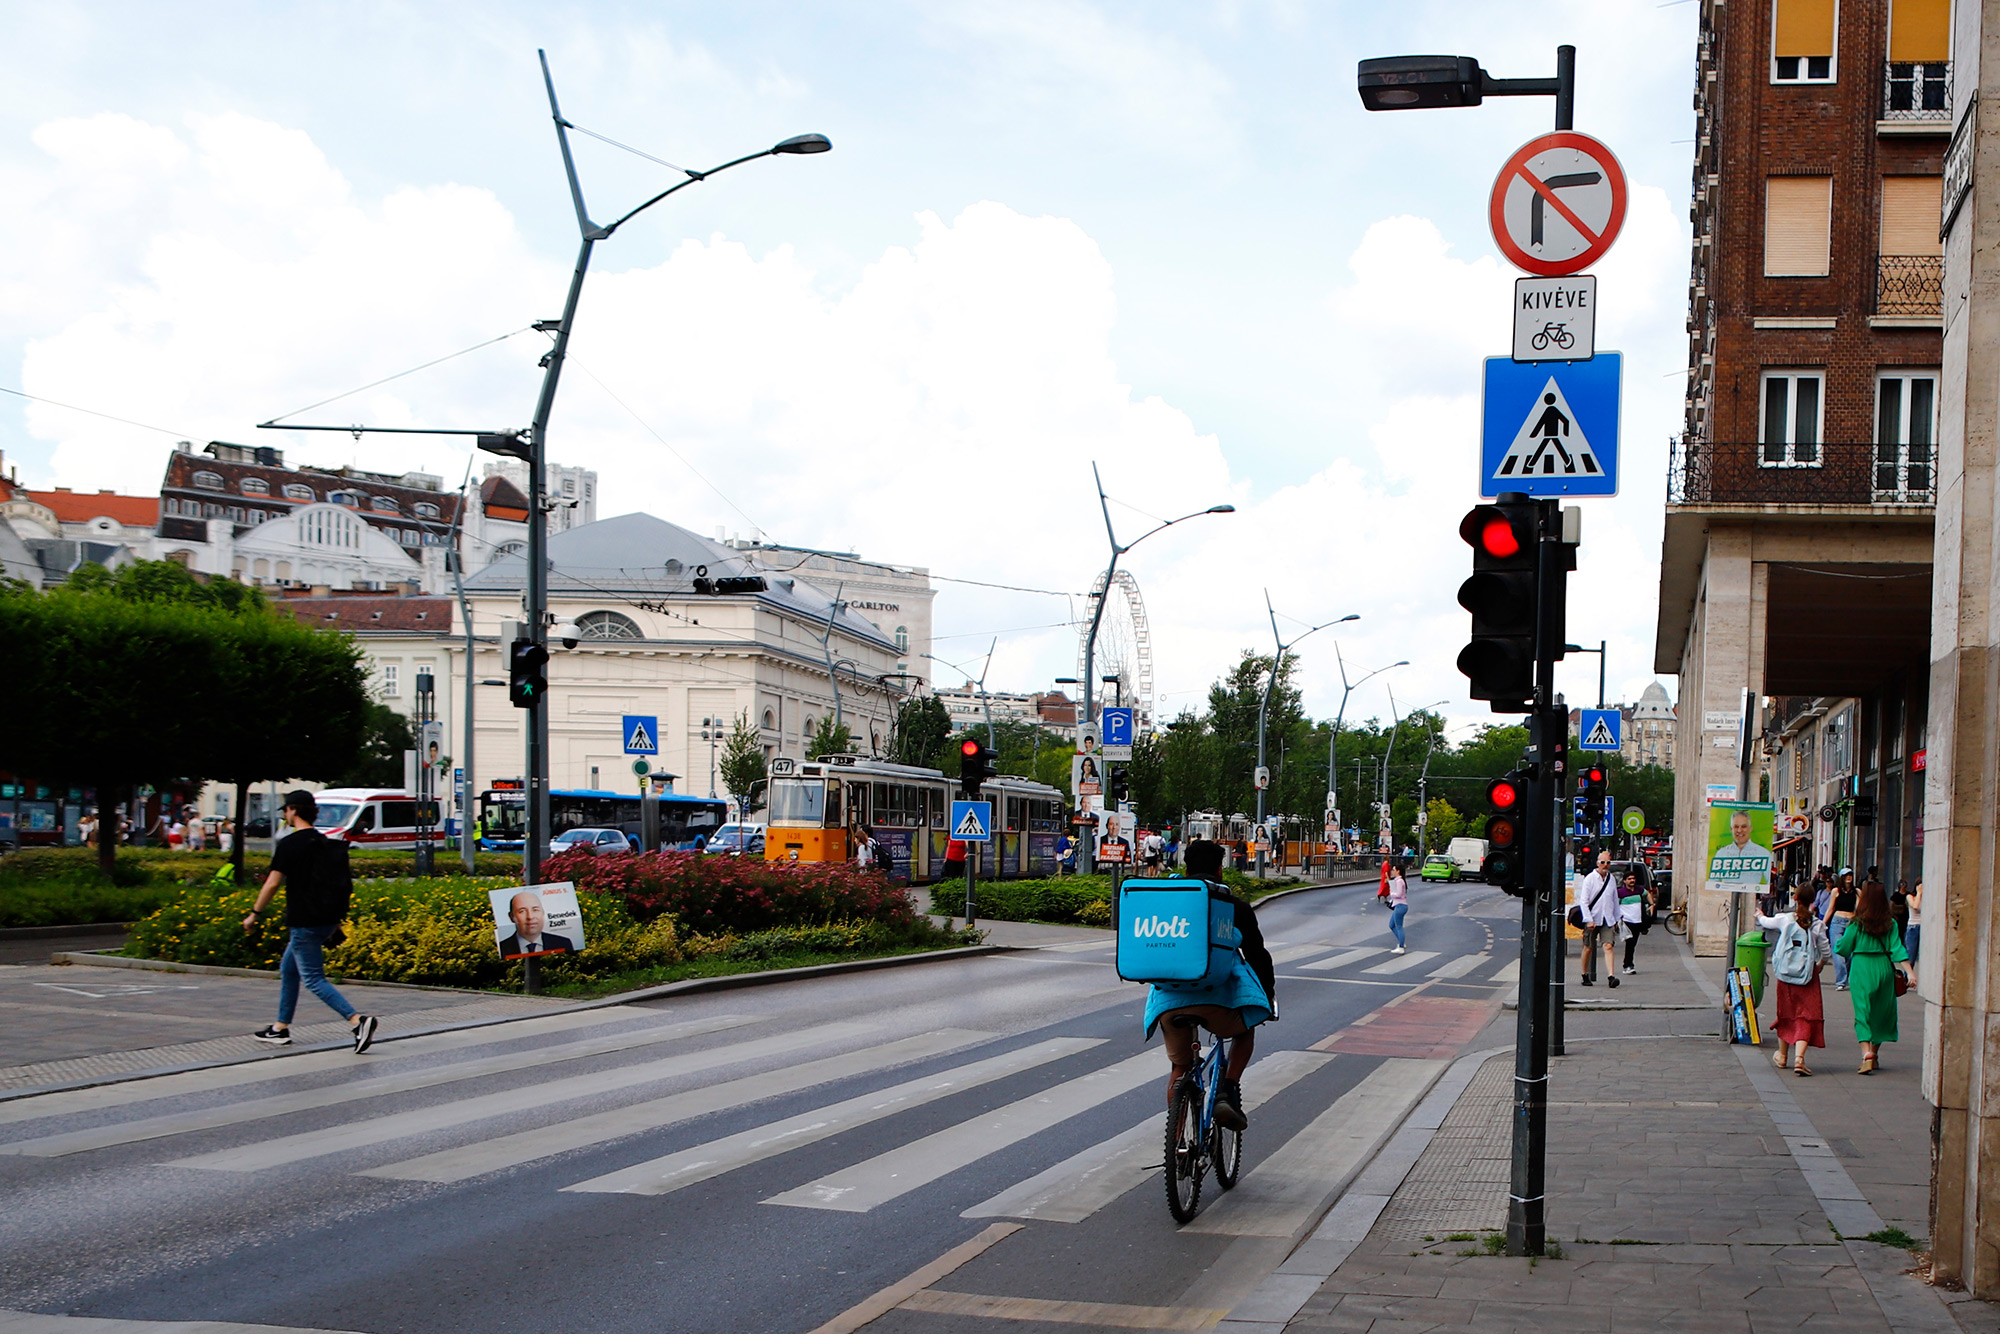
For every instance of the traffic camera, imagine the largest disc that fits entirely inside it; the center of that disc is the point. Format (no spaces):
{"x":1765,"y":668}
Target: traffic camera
{"x":975,"y":766}
{"x":1506,"y":833}
{"x":1500,"y":660}
{"x":527,"y":674}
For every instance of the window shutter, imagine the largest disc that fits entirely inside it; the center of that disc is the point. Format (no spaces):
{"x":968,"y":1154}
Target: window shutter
{"x":1910,"y":215}
{"x":1797,"y":225}
{"x":1804,"y":28}
{"x":1920,"y":30}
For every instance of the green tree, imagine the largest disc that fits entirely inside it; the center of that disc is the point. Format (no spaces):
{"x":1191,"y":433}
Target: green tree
{"x":1445,"y":824}
{"x":830,"y":738}
{"x":165,"y":581}
{"x":743,"y":764}
{"x":923,"y":732}
{"x":378,"y":761}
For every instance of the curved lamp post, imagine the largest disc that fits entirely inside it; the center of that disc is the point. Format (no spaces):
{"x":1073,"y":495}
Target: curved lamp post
{"x":1333,"y":745}
{"x":1264,"y":705}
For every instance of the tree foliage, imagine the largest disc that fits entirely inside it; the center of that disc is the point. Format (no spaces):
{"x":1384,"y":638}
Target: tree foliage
{"x":743,"y":764}
{"x":830,"y":738}
{"x":923,"y":732}
{"x":385,"y":735}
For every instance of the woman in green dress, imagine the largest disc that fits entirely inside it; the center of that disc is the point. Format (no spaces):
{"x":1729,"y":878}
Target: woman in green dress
{"x":1873,"y":953}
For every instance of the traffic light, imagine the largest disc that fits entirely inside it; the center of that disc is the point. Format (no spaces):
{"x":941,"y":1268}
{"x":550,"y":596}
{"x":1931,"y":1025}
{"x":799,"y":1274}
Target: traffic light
{"x":1500,"y":660}
{"x":1590,"y":787}
{"x":1506,"y":833}
{"x":731,"y":583}
{"x":1117,"y":783}
{"x":975,"y":766}
{"x":527,"y":674}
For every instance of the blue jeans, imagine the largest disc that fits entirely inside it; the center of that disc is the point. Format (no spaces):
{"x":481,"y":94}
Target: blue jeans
{"x":1833,"y":933}
{"x":1396,"y":922}
{"x":1911,"y":937}
{"x":303,"y":961}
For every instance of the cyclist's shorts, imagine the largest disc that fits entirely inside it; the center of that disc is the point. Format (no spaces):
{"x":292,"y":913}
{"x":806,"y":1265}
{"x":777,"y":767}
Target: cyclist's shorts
{"x":1239,"y":991}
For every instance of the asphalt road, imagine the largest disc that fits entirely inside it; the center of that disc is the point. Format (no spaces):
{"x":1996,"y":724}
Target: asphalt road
{"x":764,"y":1159}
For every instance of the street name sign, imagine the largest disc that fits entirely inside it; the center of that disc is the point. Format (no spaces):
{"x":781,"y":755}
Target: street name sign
{"x":1598,"y":729}
{"x":642,"y":734}
{"x":1557,"y":204}
{"x":1551,"y":428}
{"x":1117,"y":725}
{"x":1555,"y":319}
{"x":972,"y":821}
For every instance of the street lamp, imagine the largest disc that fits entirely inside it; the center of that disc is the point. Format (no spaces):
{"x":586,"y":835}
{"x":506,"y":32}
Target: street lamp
{"x":1117,"y":550}
{"x":1420,"y":83}
{"x":1333,"y":744}
{"x":1599,"y":651}
{"x":534,"y":450}
{"x":1264,"y":705}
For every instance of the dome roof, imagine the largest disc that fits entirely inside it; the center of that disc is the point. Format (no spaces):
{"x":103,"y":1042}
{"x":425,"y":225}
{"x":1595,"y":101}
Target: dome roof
{"x":647,"y":557}
{"x":1653,"y":703}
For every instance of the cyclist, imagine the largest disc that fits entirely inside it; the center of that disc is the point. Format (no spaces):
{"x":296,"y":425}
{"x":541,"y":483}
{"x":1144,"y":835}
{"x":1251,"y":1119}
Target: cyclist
{"x":1231,"y":1009}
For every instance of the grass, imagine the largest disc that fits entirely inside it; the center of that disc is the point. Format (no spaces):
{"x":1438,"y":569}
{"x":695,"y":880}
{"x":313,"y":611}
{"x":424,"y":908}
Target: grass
{"x":613,"y":983}
{"x":1895,"y":1236}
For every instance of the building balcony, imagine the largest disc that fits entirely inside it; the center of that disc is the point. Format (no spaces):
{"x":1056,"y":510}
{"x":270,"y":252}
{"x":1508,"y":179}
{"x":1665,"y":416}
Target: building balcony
{"x":1909,"y":286}
{"x":1704,"y":472}
{"x":1917,"y":92}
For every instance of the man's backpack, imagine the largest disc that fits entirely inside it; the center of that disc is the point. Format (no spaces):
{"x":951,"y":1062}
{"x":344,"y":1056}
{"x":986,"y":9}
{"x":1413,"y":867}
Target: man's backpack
{"x":1792,"y":960}
{"x":324,"y":899}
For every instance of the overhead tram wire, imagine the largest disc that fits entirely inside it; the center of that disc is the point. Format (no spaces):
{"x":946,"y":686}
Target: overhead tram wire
{"x":93,"y":412}
{"x":439,"y":361}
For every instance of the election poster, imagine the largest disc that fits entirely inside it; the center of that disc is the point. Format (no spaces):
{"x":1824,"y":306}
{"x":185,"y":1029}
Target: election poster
{"x":1739,"y":846}
{"x":532,"y":920}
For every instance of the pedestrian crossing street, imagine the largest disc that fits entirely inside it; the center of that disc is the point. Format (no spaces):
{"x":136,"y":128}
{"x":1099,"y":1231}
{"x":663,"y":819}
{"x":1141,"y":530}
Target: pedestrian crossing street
{"x":457,"y":1107}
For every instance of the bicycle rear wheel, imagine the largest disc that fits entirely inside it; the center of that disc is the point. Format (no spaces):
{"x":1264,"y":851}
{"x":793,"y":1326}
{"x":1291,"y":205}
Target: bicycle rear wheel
{"x":1186,"y":1162}
{"x":1226,"y":1151}
{"x":1677,"y":923}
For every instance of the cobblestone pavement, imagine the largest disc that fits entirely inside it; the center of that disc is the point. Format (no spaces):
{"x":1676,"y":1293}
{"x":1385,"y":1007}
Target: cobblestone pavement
{"x":1691,"y":1186}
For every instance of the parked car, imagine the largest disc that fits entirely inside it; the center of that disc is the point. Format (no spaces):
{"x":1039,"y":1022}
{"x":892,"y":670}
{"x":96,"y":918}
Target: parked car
{"x":738,"y":840}
{"x":597,"y":840}
{"x":1439,"y":866}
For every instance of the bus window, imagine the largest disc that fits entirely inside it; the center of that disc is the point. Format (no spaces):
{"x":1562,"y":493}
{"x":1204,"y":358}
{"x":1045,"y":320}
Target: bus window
{"x":800,"y":802}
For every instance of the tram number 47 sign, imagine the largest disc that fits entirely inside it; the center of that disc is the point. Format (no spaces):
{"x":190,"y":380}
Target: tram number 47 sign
{"x":1557,"y":204}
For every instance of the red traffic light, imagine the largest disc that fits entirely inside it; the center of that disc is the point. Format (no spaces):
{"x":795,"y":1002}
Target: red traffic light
{"x":1594,"y":774}
{"x":1493,"y":531}
{"x":968,"y":747}
{"x":1502,"y":795}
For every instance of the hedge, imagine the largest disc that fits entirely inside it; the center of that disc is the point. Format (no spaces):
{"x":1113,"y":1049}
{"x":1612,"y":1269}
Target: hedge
{"x":1083,"y":900}
{"x":713,"y":895}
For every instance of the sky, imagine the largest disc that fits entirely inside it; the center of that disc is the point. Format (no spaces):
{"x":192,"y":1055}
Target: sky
{"x":1162,"y":238}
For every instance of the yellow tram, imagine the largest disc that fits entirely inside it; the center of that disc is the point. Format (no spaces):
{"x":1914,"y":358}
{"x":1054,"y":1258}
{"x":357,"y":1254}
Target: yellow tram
{"x":816,"y":810}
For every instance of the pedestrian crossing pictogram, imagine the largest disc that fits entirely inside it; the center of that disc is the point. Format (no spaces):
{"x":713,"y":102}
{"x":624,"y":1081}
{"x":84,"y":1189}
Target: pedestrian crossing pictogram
{"x":642,"y":734}
{"x":1599,"y":729}
{"x":972,"y":821}
{"x":1600,"y":735}
{"x":1550,"y":441}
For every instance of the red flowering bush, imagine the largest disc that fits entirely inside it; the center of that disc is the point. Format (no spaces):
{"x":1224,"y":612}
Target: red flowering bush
{"x":713,"y":896}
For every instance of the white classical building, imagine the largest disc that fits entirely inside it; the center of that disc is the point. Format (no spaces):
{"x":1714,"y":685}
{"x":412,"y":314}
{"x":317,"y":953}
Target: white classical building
{"x":896,"y":598}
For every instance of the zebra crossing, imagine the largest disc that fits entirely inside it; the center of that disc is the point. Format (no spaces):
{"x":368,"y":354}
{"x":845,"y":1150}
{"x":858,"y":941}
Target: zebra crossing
{"x":431,"y":1107}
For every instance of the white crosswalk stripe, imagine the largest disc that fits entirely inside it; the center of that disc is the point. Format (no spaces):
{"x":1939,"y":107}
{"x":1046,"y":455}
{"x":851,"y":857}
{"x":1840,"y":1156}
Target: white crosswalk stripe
{"x":1401,"y":963}
{"x":886,"y":1176}
{"x":379,"y":1130}
{"x":703,"y":1161}
{"x":360,"y":1090}
{"x":1460,"y":966}
{"x":1344,"y":958}
{"x":1291,"y":952}
{"x":1509,"y":975}
{"x":1083,"y":1183}
{"x":493,"y":1155}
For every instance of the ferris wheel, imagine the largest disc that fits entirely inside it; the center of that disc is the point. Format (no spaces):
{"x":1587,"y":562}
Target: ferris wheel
{"x":1124,"y":647}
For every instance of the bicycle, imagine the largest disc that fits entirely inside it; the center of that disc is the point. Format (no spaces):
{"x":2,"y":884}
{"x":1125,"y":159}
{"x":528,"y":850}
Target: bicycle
{"x":1195,"y":1140}
{"x":1676,"y":921}
{"x":1553,"y":332}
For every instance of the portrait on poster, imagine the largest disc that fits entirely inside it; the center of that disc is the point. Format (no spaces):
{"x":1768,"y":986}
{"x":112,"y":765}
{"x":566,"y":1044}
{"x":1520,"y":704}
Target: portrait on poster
{"x":1739,"y":846}
{"x":532,"y":920}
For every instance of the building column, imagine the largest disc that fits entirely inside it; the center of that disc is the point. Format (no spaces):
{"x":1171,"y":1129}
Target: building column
{"x":1959,"y":969}
{"x":1725,"y":652}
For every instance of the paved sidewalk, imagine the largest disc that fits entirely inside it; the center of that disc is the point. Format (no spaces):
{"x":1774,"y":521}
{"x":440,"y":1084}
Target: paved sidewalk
{"x":1691,"y":1186}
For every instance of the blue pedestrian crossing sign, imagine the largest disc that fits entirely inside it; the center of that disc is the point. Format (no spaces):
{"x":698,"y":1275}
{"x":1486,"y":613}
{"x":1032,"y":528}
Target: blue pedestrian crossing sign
{"x":642,"y":734}
{"x":1550,"y":428}
{"x":1598,"y":729}
{"x":972,"y":821}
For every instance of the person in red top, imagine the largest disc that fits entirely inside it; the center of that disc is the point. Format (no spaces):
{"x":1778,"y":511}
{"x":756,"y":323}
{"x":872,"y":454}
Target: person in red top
{"x":1382,"y":894}
{"x":954,"y":859}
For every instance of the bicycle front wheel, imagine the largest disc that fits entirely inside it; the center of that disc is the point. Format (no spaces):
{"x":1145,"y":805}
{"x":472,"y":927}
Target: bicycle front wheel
{"x":1226,"y":1151}
{"x":1677,"y":923}
{"x":1185,"y":1160}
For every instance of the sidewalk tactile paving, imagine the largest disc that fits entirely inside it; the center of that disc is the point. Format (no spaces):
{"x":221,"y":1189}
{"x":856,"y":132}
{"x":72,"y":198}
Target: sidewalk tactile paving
{"x":1460,"y":1184}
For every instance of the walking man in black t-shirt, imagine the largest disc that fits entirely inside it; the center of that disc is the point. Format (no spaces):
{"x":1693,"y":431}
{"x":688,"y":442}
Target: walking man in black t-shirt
{"x":315,"y":902}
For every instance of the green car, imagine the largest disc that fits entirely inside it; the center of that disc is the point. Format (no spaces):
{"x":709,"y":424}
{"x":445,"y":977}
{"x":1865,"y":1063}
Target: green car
{"x":1438,"y":866}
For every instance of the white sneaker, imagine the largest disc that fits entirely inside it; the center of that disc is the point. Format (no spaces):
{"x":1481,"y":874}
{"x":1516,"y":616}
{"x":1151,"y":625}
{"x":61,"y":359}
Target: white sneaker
{"x":1399,"y":950}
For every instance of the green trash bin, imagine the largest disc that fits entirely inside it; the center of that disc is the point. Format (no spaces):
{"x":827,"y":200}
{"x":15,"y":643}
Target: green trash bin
{"x":1751,"y":948}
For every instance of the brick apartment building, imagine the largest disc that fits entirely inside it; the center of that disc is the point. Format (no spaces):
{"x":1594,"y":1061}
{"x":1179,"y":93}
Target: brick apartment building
{"x":1801,"y":494}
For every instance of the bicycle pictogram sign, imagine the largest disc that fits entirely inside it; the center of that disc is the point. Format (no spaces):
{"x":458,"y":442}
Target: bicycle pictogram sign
{"x":1558,"y":204}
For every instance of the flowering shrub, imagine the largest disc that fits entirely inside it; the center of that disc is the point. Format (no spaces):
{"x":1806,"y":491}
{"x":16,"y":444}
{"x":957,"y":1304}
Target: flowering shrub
{"x":1074,"y":898}
{"x":716,"y":895}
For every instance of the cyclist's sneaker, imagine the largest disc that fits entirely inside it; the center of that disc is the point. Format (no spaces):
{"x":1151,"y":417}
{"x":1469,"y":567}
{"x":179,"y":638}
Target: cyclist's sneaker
{"x":1229,"y":1106}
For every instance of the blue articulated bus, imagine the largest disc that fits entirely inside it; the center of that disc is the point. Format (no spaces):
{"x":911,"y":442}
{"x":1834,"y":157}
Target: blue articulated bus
{"x":684,"y":820}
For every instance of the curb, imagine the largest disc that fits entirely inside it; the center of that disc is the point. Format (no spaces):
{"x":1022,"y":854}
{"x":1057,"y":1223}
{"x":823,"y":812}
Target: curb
{"x":665,"y":990}
{"x":57,"y":932}
{"x":95,"y":959}
{"x":1301,"y":889}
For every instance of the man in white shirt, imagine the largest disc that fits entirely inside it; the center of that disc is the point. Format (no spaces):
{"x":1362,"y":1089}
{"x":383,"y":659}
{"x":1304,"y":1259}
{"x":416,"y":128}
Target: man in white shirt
{"x":1598,"y":897}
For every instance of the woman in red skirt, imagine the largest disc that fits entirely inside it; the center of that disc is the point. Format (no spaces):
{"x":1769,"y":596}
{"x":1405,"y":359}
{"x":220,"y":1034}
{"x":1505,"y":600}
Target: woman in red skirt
{"x":1801,"y":1014}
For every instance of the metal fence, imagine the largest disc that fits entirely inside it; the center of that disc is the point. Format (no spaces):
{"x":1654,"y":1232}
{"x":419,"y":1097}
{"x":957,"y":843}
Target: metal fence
{"x":1916,"y":91}
{"x":1909,"y":285}
{"x":1704,"y":472}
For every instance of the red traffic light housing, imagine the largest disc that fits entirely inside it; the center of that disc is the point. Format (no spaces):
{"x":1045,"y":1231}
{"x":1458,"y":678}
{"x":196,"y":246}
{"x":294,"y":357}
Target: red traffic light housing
{"x":975,"y":765}
{"x":1500,"y":660}
{"x":1505,"y":866}
{"x":1590,"y":782}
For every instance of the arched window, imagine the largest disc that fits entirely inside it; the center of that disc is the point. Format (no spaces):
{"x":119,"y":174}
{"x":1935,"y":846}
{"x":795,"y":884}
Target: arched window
{"x":208,"y":481}
{"x":770,"y":722}
{"x":510,"y":549}
{"x":902,"y":639}
{"x":298,"y":491}
{"x":351,"y":499}
{"x":426,"y":510}
{"x":385,"y":505}
{"x":606,"y":625}
{"x":254,"y":486}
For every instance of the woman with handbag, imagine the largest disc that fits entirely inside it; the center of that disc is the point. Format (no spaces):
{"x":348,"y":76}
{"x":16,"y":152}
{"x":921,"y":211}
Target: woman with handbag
{"x":1802,"y":950}
{"x":1873,"y":951}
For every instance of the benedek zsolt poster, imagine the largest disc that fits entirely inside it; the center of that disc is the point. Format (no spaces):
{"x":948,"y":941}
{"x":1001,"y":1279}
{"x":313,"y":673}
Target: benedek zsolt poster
{"x":1739,"y":846}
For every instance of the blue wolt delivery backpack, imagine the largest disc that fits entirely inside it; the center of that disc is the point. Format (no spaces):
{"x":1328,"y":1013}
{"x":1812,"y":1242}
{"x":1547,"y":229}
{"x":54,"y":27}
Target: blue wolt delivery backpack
{"x":1173,"y":934}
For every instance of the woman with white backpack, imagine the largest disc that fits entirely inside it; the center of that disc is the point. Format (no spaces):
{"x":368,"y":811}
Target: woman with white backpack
{"x":1802,"y":950}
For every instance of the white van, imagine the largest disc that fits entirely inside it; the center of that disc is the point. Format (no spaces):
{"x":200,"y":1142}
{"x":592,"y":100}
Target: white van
{"x":1469,"y":855}
{"x":367,"y":817}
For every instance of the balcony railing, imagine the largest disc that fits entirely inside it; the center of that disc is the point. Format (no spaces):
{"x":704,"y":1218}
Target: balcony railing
{"x":1912,"y":91}
{"x":1909,"y":285}
{"x":1702,"y":472}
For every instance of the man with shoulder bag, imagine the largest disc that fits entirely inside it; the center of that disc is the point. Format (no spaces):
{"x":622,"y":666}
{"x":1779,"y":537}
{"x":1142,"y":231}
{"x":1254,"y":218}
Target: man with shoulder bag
{"x":318,"y":886}
{"x":1598,"y":909}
